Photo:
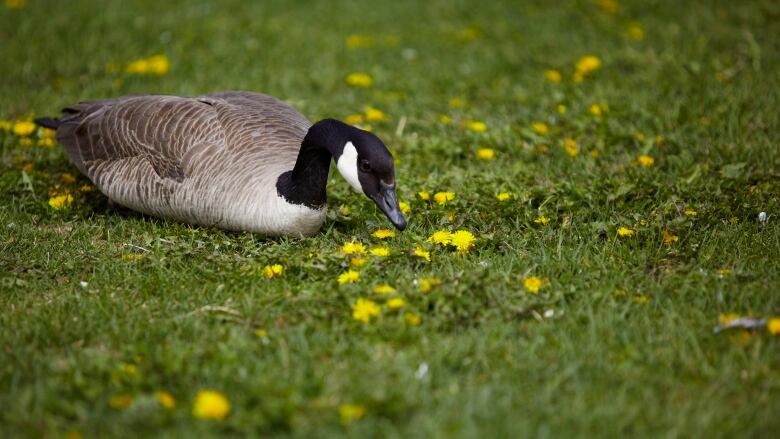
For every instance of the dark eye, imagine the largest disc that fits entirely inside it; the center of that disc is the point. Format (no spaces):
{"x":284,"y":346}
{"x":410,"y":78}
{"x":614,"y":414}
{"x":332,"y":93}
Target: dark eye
{"x":365,"y":166}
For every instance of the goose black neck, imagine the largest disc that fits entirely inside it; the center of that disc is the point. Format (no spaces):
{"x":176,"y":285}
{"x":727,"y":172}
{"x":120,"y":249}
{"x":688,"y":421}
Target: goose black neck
{"x":305,"y":183}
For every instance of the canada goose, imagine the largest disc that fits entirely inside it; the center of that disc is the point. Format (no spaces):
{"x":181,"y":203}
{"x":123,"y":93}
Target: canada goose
{"x":236,"y":160}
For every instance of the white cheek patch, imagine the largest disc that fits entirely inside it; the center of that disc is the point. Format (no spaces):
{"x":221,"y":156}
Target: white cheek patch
{"x":347,"y":166}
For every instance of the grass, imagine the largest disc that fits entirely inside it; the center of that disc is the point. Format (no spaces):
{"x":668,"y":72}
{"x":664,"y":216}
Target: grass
{"x":619,"y":341}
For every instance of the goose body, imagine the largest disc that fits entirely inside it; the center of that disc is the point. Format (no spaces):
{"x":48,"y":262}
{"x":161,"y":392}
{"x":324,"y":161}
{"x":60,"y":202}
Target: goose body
{"x":236,"y":160}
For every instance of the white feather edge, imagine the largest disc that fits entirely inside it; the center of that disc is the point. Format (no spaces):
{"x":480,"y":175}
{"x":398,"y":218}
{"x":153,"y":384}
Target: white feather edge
{"x":348,"y":168}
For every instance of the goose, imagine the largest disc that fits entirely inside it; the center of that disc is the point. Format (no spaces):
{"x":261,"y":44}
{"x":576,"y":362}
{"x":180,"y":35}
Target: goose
{"x":239,"y":161}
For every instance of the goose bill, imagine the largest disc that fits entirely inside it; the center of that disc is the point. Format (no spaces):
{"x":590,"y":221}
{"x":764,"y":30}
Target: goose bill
{"x":387,"y":201}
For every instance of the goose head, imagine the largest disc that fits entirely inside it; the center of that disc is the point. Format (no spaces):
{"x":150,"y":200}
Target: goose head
{"x":367,"y":165}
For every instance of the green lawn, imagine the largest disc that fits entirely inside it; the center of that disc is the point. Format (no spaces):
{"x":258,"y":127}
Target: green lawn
{"x":101,"y":308}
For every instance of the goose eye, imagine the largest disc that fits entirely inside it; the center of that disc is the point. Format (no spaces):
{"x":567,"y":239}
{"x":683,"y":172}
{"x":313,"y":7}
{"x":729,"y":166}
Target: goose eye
{"x":365,"y":166}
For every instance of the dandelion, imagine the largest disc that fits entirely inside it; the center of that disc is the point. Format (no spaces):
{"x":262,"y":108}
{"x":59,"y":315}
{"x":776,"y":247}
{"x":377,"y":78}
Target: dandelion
{"x":425,"y":196}
{"x":380,"y":252}
{"x":645,"y":161}
{"x":404,"y":206}
{"x":442,"y":237}
{"x":463,"y":241}
{"x":349,"y":413}
{"x":344,"y":210}
{"x":571,"y":147}
{"x":553,"y":75}
{"x":121,"y":401}
{"x":596,"y":110}
{"x":725,"y":271}
{"x":133,"y":257}
{"x":486,"y":154}
{"x":443,"y":198}
{"x":384,"y":289}
{"x":412,"y":319}
{"x":543,"y":220}
{"x":374,"y":114}
{"x":540,"y":128}
{"x":396,"y":303}
{"x":773,"y":325}
{"x":46,"y":142}
{"x":585,"y":66}
{"x":165,"y":399}
{"x":67,"y":178}
{"x":428,"y":283}
{"x":635,"y":32}
{"x":23,"y":128}
{"x":15,"y":4}
{"x":86,"y":188}
{"x":61,"y":201}
{"x":210,"y":404}
{"x":274,"y":270}
{"x":625,"y":232}
{"x":444,"y":119}
{"x":456,"y":103}
{"x":348,"y":277}
{"x":669,"y":238}
{"x":533,"y":284}
{"x":359,"y":80}
{"x":608,"y":6}
{"x":359,"y":41}
{"x":353,"y":248}
{"x":503,"y":196}
{"x":154,"y":65}
{"x":422,"y":253}
{"x":261,"y":333}
{"x":383,"y":233}
{"x":561,"y":108}
{"x":641,"y":299}
{"x":358,"y":262}
{"x":725,"y":319}
{"x":364,"y":309}
{"x":354,"y":119}
{"x":476,"y":126}
{"x":690,"y":212}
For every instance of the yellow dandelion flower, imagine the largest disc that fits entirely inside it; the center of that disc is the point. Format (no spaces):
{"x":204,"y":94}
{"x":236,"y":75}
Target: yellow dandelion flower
{"x":543,"y":220}
{"x":359,"y":41}
{"x":274,"y":270}
{"x":23,"y":128}
{"x":540,"y":128}
{"x":428,"y":283}
{"x":374,"y":114}
{"x":121,"y":401}
{"x":659,"y":139}
{"x":456,"y":103}
{"x":86,"y":188}
{"x":6,"y":125}
{"x":533,"y":284}
{"x":476,"y":126}
{"x":691,"y":212}
{"x":353,"y":248}
{"x":25,"y":141}
{"x":61,"y":201}
{"x":261,"y":333}
{"x":210,"y":404}
{"x":670,"y":238}
{"x":165,"y":399}
{"x":444,"y":119}
{"x":380,"y":251}
{"x":67,"y":178}
{"x":344,"y":210}
{"x":364,"y":309}
{"x":635,"y":32}
{"x":486,"y":153}
{"x":596,"y":110}
{"x":561,"y":108}
{"x":725,"y":319}
{"x":553,"y":75}
{"x":412,"y":319}
{"x":404,"y":206}
{"x":645,"y":160}
{"x":358,"y":262}
{"x":625,"y":232}
{"x":348,"y":277}
{"x":15,"y":4}
{"x":354,"y":119}
{"x":28,"y":167}
{"x":725,"y":271}
{"x":462,"y":240}
{"x":773,"y":325}
{"x":396,"y":303}
{"x":422,"y":253}
{"x":349,"y":413}
{"x":425,"y":196}
{"x":46,"y":142}
{"x":608,"y":6}
{"x":503,"y":196}
{"x":443,"y":198}
{"x":383,"y":233}
{"x":158,"y":65}
{"x":442,"y":237}
{"x":133,"y":256}
{"x":641,"y":299}
{"x":384,"y":289}
{"x":588,"y":64}
{"x":571,"y":147}
{"x":359,"y":80}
